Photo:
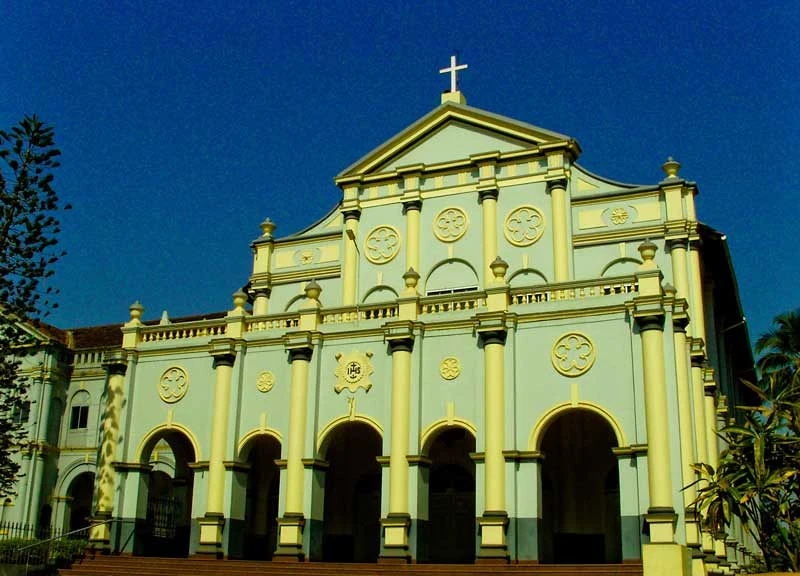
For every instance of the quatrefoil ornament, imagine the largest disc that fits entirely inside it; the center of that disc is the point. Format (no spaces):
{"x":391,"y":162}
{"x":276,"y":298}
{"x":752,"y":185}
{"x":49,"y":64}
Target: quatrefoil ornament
{"x":173,"y":384}
{"x":573,"y":354}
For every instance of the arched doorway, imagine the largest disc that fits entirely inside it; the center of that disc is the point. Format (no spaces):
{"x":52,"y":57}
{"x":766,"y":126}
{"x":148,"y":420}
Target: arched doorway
{"x":167,"y":494}
{"x":261,"y":499}
{"x":79,"y":502}
{"x":351,"y":524}
{"x":580,"y":491}
{"x":451,"y":497}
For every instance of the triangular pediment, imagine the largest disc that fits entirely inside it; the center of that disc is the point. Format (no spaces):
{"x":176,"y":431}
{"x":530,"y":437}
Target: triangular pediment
{"x":451,"y":132}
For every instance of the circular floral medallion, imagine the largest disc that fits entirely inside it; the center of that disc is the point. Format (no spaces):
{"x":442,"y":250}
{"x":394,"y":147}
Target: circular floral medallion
{"x":265,"y":381}
{"x":382,"y":244}
{"x":173,"y":384}
{"x":450,"y":368}
{"x":450,"y":224}
{"x":619,"y":216}
{"x":573,"y":354}
{"x":524,"y":226}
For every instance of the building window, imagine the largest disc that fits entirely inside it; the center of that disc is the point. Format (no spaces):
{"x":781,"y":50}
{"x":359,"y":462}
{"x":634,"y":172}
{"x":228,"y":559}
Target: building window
{"x":79,"y":414}
{"x":22,"y":412}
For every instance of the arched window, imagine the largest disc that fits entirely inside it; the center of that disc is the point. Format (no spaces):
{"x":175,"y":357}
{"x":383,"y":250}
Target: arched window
{"x":79,"y":412}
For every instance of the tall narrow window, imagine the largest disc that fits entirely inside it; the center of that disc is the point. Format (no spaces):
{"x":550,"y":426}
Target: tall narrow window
{"x":79,"y":414}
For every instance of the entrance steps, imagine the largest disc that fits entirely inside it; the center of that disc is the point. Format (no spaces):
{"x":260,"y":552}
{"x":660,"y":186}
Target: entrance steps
{"x":143,"y":566}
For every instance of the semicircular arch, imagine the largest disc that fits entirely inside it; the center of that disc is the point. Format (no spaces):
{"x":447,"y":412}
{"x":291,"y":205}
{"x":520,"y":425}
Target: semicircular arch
{"x":323,"y":436}
{"x":451,"y":274}
{"x":518,"y":278}
{"x":538,"y":431}
{"x":380,"y":293}
{"x":253,"y":435}
{"x":621,"y":266}
{"x":152,"y":436}
{"x":71,"y":472}
{"x":435,"y":428}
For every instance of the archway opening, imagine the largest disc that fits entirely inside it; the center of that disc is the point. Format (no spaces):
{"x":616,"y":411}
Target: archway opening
{"x":167,"y":493}
{"x":79,"y":502}
{"x":261,"y":500}
{"x":451,"y":497}
{"x":580,"y":491}
{"x":351,"y":525}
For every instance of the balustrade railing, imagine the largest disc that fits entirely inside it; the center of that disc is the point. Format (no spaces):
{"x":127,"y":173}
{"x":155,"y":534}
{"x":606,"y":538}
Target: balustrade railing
{"x":183,"y":330}
{"x":272,"y":322}
{"x":573,"y":290}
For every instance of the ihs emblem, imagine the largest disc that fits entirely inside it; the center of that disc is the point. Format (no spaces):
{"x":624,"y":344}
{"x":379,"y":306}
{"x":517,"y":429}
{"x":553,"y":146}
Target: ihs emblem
{"x":353,"y":371}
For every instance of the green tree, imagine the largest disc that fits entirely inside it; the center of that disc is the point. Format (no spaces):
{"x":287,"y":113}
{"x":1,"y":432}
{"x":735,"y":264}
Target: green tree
{"x":28,"y":229}
{"x":758,"y":476}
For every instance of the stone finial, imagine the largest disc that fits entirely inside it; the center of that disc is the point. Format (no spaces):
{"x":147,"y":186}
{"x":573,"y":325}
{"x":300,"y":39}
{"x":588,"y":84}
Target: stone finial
{"x":267,"y":228}
{"x":499,"y":268}
{"x":671,"y":167}
{"x":648,"y":251}
{"x":313,"y":290}
{"x":669,"y":289}
{"x":239,"y":299}
{"x":411,"y":278}
{"x":136,"y":310}
{"x":164,"y":319}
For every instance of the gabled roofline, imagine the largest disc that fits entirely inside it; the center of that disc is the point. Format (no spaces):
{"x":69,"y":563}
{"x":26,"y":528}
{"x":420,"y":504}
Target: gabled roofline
{"x":442,"y":114}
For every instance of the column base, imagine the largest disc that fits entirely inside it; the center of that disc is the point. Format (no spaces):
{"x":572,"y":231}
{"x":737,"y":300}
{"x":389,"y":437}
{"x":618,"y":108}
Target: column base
{"x":290,"y":538}
{"x":492,"y":528}
{"x":665,"y":559}
{"x":395,"y":538}
{"x":661,"y":522}
{"x":212,"y":526}
{"x":697,"y":559}
{"x":100,"y":533}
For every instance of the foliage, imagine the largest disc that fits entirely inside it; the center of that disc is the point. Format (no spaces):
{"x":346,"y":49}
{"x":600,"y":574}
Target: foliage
{"x":28,"y":229}
{"x":758,"y":476}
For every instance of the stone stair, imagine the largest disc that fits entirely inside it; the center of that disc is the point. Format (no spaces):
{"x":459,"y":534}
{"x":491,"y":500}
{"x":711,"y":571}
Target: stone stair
{"x":142,"y":566}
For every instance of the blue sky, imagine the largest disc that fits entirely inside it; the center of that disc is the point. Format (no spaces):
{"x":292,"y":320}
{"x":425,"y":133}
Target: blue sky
{"x":183,"y":125}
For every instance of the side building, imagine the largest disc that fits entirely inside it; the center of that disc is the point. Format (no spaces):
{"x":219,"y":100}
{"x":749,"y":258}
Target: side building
{"x":483,"y":352}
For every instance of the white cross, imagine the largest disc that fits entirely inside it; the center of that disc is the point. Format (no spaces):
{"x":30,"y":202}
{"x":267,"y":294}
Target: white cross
{"x":453,"y":69}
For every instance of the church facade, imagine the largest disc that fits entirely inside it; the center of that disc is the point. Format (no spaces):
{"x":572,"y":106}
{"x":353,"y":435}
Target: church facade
{"x":484,"y":352}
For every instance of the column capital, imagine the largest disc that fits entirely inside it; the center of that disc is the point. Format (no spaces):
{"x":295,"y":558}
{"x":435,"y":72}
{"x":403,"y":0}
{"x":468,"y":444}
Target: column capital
{"x":491,"y":322}
{"x":302,"y":353}
{"x":488,"y":194}
{"x":400,"y":344}
{"x":493,"y":337}
{"x":415,"y":204}
{"x":650,"y":322}
{"x":115,"y":362}
{"x":223,"y":351}
{"x":680,"y":240}
{"x":556,"y":183}
{"x":352,"y":214}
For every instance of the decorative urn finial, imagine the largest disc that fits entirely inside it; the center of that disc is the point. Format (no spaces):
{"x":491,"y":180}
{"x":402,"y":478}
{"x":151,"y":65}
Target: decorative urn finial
{"x":648,"y":250}
{"x":313,"y":290}
{"x":267,"y":228}
{"x":499,"y":268}
{"x":671,"y":167}
{"x":136,"y":310}
{"x":411,"y":278}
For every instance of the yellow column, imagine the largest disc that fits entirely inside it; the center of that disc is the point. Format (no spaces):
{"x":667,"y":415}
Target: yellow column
{"x":213,"y":522}
{"x":412,"y":211}
{"x":558,"y":199}
{"x":696,"y":311}
{"x":699,"y":417}
{"x":398,"y":521}
{"x":662,"y":555}
{"x":116,"y":365}
{"x":350,"y":265}
{"x":494,"y":520}
{"x":488,"y":201}
{"x":290,"y":538}
{"x":686,"y":437}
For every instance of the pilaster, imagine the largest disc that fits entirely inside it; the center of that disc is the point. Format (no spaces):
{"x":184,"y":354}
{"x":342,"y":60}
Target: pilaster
{"x":400,"y":339}
{"x":223,"y":353}
{"x":115,"y":364}
{"x":261,"y":280}
{"x":350,"y":264}
{"x":561,"y":245}
{"x":299,"y":346}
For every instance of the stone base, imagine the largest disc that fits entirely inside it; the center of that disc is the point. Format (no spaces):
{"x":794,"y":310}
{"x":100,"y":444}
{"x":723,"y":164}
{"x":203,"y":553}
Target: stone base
{"x":290,"y":538}
{"x":492,"y":527}
{"x":212,"y":526}
{"x":100,"y":533}
{"x":395,"y":538}
{"x":665,"y":559}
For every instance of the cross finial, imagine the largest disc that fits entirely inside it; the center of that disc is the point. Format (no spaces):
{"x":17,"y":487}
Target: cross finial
{"x":453,"y":70}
